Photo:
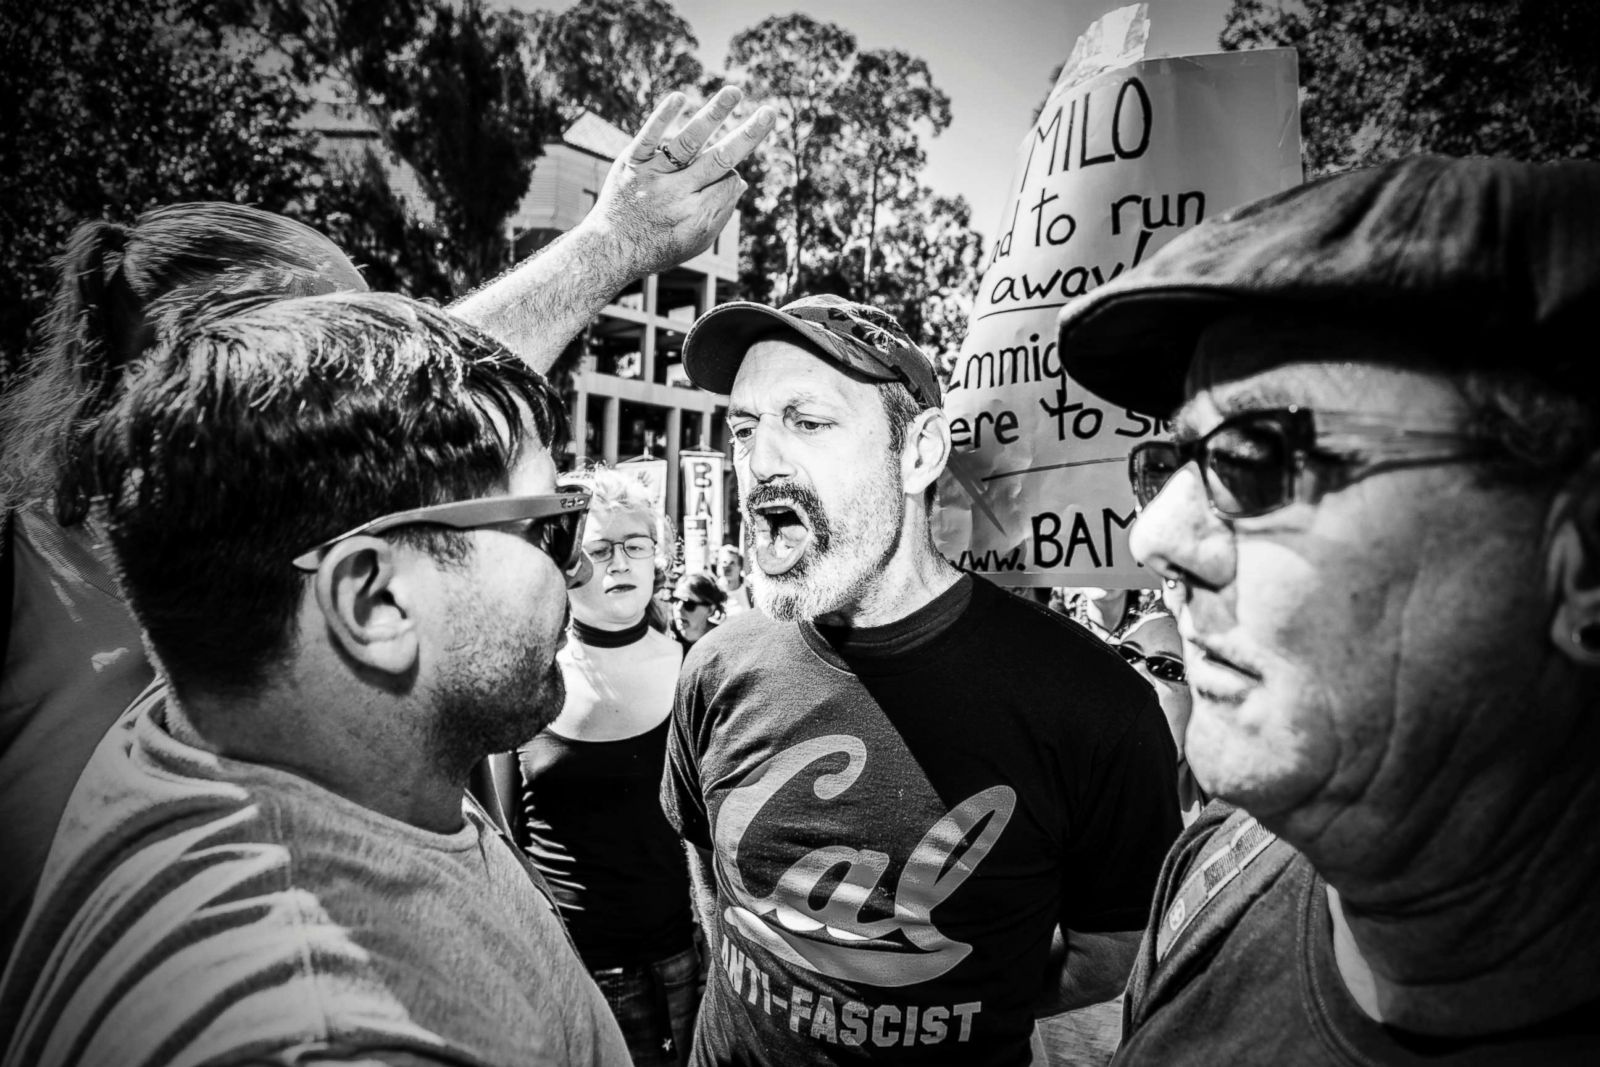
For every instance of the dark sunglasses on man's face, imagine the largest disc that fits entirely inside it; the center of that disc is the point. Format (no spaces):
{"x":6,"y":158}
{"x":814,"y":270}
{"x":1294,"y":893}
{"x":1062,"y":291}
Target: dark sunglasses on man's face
{"x":1260,"y":461}
{"x":686,"y":602}
{"x":1159,"y":664}
{"x":551,"y":522}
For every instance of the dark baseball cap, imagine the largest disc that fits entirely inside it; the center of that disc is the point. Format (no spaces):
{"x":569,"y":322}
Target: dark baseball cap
{"x":859,"y":337}
{"x":1494,"y":263}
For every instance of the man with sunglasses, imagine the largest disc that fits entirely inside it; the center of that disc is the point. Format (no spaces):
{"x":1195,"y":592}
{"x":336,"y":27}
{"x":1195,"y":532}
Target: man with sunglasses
{"x":337,"y":522}
{"x":1378,"y":524}
{"x":924,"y":811}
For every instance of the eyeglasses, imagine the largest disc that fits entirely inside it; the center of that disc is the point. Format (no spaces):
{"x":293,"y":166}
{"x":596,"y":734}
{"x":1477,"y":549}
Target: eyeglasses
{"x":1159,"y":664}
{"x":551,"y":522}
{"x":636,"y":547}
{"x":686,"y":602}
{"x":1260,"y":461}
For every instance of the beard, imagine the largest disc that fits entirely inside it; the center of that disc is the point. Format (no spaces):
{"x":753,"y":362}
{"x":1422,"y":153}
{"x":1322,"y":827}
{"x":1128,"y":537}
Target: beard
{"x":844,"y":556}
{"x":500,"y":690}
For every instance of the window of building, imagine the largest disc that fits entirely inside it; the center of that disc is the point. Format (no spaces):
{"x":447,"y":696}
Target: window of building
{"x":617,"y":347}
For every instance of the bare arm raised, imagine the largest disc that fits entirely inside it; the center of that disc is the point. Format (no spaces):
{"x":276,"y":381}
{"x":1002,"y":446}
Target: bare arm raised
{"x":657,"y":209}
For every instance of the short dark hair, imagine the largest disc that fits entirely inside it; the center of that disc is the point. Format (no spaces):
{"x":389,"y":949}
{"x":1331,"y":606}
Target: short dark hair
{"x":261,"y":430}
{"x":705,"y":588}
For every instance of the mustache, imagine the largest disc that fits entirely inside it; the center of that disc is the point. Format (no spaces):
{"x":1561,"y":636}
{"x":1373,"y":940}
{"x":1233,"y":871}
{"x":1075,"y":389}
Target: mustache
{"x":801,"y":498}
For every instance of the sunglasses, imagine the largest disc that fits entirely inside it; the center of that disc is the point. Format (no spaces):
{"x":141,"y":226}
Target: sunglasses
{"x":636,"y":547}
{"x":1255,"y":463}
{"x":551,"y":522}
{"x":1159,"y":664}
{"x":686,"y":602}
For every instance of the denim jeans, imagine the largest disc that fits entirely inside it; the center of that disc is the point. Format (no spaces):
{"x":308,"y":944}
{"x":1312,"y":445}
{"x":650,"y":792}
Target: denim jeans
{"x":655,"y":1004}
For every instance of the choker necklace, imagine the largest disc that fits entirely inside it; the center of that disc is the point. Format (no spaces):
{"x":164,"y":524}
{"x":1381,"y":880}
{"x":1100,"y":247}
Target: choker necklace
{"x":598,"y":638}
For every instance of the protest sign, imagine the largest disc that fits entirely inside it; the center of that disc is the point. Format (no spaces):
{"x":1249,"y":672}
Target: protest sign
{"x":702,"y":509}
{"x":652,"y":474}
{"x":1127,"y":153}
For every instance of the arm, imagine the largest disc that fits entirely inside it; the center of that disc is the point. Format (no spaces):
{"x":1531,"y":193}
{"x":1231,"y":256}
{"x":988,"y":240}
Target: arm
{"x":650,"y":216}
{"x":703,"y":892}
{"x":1086,"y":969}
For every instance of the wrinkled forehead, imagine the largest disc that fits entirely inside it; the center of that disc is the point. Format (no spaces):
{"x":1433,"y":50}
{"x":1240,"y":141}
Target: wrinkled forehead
{"x":1260,"y":361}
{"x":776,"y":371}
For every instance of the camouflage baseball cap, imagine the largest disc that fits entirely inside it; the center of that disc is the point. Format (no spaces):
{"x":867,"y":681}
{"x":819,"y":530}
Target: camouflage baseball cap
{"x":859,"y":337}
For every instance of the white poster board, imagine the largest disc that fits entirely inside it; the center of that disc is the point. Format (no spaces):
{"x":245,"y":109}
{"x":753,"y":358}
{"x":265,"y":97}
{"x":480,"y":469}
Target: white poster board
{"x":702,"y":509}
{"x":1126,"y":154}
{"x":652,"y":474}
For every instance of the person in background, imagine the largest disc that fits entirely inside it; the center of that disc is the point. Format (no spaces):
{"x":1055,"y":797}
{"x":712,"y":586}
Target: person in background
{"x":591,"y":780}
{"x":1102,"y":611}
{"x":336,"y":520}
{"x":71,"y":652}
{"x":697,"y":602}
{"x":730,"y":579}
{"x":1378,"y":526}
{"x":1151,"y":643}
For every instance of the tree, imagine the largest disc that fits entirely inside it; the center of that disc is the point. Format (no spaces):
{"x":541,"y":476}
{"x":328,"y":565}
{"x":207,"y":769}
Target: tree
{"x":108,"y":117}
{"x":835,"y":204}
{"x":932,"y":262}
{"x":449,"y":90}
{"x":797,"y":65}
{"x":616,"y":58}
{"x":1517,"y":78}
{"x":888,"y":95}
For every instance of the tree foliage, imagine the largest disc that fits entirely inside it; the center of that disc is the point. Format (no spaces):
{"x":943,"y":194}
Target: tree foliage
{"x":1517,"y":78}
{"x":835,"y":203}
{"x":449,"y":89}
{"x":616,"y":58}
{"x":108,"y":117}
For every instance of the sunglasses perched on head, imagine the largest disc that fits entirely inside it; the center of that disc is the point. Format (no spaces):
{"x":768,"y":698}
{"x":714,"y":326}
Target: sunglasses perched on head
{"x":551,"y":522}
{"x":1159,"y":664}
{"x":1260,"y":461}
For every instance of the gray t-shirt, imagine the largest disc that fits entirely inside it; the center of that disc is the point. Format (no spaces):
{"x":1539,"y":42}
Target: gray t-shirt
{"x":197,"y":910}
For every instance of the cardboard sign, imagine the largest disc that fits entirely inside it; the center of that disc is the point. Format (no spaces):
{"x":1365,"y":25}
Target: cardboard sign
{"x":1127,"y":154}
{"x":652,"y":474}
{"x":702,"y":509}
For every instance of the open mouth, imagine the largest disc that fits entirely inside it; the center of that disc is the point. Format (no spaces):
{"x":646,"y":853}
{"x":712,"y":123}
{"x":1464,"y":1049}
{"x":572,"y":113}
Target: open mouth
{"x":779,"y":534}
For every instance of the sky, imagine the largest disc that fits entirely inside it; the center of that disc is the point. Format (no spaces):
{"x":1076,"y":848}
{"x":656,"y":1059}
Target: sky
{"x":992,"y":57}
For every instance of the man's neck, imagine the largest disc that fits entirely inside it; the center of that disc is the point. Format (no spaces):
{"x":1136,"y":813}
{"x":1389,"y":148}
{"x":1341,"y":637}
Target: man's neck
{"x":365,"y":757}
{"x":1450,"y":932}
{"x":912,"y":580}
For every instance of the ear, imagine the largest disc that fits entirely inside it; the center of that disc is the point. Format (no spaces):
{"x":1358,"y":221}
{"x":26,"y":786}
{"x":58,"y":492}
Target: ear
{"x":926,"y":452}
{"x":369,"y":602}
{"x":1572,"y":573}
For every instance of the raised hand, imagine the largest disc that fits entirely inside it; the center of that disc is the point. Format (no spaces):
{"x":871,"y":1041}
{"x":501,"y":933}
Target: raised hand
{"x":668,"y":197}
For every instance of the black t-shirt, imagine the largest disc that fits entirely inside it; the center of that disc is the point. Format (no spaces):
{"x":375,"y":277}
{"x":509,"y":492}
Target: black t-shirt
{"x":1251,"y":979}
{"x":901,"y":816}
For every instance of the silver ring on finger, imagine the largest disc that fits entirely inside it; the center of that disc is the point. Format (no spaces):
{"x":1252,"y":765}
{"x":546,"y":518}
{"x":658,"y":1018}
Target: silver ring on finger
{"x":677,"y":164}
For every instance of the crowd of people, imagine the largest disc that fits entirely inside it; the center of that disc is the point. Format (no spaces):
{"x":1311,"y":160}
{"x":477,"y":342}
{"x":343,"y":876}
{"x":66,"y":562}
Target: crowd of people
{"x":342,"y":726}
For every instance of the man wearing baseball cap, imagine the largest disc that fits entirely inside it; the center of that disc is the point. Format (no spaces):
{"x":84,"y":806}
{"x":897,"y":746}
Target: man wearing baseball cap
{"x":898,"y":780}
{"x":1379,"y":529}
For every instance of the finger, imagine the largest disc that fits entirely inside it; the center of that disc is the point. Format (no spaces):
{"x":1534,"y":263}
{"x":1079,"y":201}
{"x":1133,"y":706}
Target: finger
{"x":655,"y":128}
{"x":733,"y":149}
{"x":699,"y":129}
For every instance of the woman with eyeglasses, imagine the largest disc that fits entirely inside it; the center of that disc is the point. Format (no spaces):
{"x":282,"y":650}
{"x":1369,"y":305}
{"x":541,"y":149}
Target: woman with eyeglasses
{"x":697,"y":602}
{"x":591,"y":811}
{"x":1152,"y":645}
